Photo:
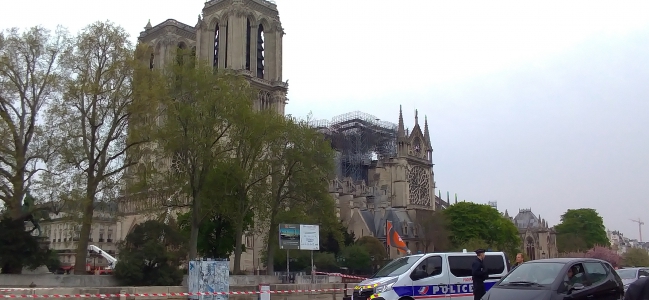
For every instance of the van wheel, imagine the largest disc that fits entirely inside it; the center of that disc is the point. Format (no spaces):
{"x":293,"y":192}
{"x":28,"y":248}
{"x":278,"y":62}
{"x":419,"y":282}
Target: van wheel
{"x":406,"y":298}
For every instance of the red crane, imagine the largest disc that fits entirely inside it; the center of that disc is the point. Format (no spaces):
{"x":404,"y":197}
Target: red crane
{"x":640,"y":223}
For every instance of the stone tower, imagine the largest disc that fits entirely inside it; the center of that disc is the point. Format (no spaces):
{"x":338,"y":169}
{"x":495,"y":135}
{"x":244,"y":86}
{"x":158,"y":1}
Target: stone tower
{"x":240,"y":35}
{"x":415,"y":188}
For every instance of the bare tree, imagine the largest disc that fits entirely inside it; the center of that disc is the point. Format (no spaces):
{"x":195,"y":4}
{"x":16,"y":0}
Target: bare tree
{"x":30,"y":78}
{"x":434,"y":233}
{"x":90,"y":122}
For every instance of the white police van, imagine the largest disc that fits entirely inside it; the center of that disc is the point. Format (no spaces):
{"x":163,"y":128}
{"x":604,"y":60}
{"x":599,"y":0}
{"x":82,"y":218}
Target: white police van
{"x":430,"y":276}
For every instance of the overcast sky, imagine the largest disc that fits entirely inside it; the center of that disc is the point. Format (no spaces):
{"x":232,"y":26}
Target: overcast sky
{"x":535,"y":106}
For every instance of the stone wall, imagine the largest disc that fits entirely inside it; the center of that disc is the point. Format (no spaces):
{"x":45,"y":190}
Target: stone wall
{"x":333,"y":295}
{"x":99,"y":281}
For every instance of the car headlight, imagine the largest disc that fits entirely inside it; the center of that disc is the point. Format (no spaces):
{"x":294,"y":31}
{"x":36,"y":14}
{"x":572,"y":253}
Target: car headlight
{"x":383,"y":288}
{"x":626,"y":286}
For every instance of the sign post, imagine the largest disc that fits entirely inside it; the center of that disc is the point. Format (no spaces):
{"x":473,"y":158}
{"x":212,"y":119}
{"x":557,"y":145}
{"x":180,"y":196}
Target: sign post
{"x":300,"y":237}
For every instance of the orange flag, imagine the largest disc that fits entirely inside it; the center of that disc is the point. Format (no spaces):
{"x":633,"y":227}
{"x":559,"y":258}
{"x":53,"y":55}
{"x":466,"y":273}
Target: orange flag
{"x":394,"y":239}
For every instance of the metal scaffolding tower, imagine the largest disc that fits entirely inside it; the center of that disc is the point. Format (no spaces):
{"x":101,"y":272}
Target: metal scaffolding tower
{"x":359,"y":138}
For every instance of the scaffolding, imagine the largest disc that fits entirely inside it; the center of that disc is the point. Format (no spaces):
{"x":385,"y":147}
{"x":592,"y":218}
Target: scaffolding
{"x":358,"y":138}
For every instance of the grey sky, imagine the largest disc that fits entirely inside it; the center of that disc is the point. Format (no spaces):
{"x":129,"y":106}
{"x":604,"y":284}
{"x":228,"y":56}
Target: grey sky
{"x":539,"y":106}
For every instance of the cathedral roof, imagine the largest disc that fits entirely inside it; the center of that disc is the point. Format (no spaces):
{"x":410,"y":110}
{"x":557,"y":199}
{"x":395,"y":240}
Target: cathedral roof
{"x":376,"y":221}
{"x":527,"y":219}
{"x":170,"y":25}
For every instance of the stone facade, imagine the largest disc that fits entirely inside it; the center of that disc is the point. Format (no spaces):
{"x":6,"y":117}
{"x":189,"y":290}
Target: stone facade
{"x":240,"y":35}
{"x":243,"y":36}
{"x":539,"y":240}
{"x":399,"y":187}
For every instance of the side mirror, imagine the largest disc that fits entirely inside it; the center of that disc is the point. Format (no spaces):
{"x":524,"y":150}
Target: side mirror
{"x":577,"y":287}
{"x":418,"y":274}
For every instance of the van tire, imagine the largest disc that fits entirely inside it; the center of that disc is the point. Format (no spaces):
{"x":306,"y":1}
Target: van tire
{"x":406,"y":298}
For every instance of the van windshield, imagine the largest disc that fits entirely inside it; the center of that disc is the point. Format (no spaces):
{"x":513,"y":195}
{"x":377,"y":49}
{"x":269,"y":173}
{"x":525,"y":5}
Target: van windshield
{"x":397,"y":266}
{"x":533,"y":273}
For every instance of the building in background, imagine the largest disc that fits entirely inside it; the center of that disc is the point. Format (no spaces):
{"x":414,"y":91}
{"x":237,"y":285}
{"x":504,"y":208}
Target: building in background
{"x":539,"y":239}
{"x":63,"y":230}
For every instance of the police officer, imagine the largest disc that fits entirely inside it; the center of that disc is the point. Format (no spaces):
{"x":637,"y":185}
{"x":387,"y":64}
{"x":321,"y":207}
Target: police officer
{"x":479,"y":275}
{"x":638,"y":290}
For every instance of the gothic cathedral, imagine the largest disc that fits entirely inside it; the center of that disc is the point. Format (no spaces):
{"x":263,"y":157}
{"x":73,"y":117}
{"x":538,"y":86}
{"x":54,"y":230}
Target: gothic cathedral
{"x":400,"y":188}
{"x":240,"y":35}
{"x":244,"y":36}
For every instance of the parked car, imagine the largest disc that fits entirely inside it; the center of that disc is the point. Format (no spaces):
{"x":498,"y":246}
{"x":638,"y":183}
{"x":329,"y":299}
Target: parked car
{"x":559,"y":278}
{"x":629,"y":275}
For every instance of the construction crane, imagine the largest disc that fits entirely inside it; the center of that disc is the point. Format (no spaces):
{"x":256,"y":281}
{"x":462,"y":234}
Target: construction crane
{"x":640,"y":223}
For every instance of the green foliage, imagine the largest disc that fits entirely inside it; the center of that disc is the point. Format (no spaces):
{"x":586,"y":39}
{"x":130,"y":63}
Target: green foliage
{"x":30,"y":79}
{"x":18,"y":248}
{"x":635,"y":257}
{"x":301,"y":161}
{"x":150,"y":256}
{"x":216,"y":236}
{"x":470,"y":222}
{"x":571,"y":242}
{"x":357,"y":259}
{"x":325,"y":262}
{"x":300,"y":260}
{"x":578,"y":225}
{"x":194,"y":114}
{"x":472,"y":245}
{"x":374,"y":247}
{"x":53,"y":262}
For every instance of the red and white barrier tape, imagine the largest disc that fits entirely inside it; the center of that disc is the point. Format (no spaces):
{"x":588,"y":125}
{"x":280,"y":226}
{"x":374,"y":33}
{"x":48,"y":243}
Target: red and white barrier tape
{"x":170,"y":294}
{"x":341,"y":275}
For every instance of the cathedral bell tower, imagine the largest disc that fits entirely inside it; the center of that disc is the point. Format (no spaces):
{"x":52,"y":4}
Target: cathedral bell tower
{"x":415,"y":153}
{"x":245,"y":36}
{"x":241,"y":35}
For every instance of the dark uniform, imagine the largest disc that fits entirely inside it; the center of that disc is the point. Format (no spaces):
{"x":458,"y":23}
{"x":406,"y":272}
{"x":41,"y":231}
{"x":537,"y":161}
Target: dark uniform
{"x":638,"y":290}
{"x":479,"y":275}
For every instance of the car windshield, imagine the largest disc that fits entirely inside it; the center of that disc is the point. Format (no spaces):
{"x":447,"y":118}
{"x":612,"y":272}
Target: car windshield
{"x":397,"y":266}
{"x":627,"y":274}
{"x":533,"y":274}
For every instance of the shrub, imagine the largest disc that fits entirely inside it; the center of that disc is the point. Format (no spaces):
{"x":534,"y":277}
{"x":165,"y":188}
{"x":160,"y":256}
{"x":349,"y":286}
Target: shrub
{"x":151,"y":256}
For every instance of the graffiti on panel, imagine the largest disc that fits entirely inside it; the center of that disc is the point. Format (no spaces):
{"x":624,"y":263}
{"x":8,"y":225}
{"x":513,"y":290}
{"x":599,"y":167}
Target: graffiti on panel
{"x":209,"y":276}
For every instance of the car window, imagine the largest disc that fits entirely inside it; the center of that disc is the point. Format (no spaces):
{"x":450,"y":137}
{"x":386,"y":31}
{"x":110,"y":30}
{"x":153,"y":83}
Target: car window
{"x":595,"y":272}
{"x":574,"y":275}
{"x":495,"y":264}
{"x":543,"y":273}
{"x":461,"y":265}
{"x":627,"y":273}
{"x":431,"y":265}
{"x":643,"y":273}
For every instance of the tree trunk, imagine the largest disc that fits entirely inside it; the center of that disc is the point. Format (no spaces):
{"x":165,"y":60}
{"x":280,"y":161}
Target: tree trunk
{"x":16,"y":208}
{"x":193,"y":236}
{"x":270,"y":248}
{"x":237,"y":247}
{"x":86,"y":226}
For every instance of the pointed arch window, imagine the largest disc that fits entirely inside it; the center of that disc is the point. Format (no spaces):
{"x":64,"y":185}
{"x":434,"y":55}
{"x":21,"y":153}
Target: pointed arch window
{"x":260,"y":51}
{"x":248,"y":38}
{"x":530,"y":248}
{"x":216,"y":47}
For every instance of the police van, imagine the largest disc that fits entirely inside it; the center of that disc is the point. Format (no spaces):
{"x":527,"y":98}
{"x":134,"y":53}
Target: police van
{"x":430,"y":276}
